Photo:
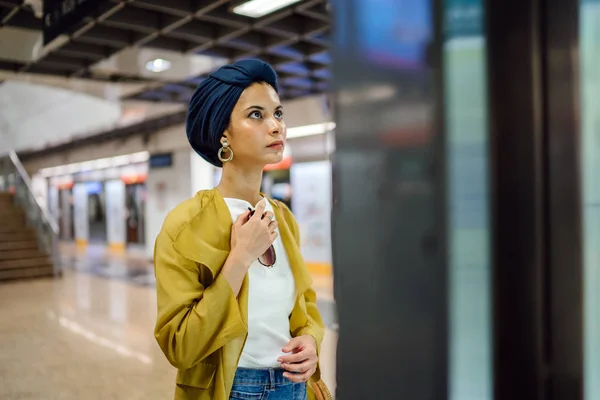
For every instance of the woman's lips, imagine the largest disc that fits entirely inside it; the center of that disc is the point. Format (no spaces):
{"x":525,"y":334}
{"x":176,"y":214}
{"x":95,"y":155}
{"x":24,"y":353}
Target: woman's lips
{"x":276,"y":145}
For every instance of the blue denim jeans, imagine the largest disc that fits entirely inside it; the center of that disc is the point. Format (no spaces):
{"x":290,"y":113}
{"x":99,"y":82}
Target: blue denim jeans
{"x":265,"y":384}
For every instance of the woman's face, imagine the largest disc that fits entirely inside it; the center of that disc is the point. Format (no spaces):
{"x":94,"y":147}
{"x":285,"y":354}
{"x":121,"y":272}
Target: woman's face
{"x":257,"y":132}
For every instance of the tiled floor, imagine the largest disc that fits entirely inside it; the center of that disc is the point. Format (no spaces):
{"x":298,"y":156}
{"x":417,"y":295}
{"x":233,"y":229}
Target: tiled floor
{"x":89,"y":335}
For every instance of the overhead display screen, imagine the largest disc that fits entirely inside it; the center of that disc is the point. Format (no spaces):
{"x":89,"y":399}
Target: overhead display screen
{"x":394,"y":32}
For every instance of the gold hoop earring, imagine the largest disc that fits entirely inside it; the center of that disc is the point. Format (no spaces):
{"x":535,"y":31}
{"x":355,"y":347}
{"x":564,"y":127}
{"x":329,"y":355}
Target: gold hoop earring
{"x":225,"y":148}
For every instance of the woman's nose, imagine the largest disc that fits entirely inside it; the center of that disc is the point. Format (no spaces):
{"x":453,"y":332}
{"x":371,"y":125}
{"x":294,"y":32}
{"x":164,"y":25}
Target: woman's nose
{"x":275,"y":126}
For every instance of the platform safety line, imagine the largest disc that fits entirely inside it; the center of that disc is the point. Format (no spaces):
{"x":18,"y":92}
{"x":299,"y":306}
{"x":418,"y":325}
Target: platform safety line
{"x":319,"y":268}
{"x":116,"y":247}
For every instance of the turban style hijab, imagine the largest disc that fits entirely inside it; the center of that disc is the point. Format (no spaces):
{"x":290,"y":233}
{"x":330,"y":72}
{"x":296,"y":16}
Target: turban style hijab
{"x":211,"y":105}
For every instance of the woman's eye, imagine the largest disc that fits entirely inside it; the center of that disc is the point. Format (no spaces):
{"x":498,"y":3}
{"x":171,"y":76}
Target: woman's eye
{"x":278,"y":114}
{"x":255,"y":114}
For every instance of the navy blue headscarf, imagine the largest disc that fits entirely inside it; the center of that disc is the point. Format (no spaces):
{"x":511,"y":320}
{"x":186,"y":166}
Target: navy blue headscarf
{"x":211,"y":105}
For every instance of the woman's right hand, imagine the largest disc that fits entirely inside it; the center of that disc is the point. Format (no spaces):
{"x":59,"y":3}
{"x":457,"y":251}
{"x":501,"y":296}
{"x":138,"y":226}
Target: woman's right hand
{"x":251,"y":237}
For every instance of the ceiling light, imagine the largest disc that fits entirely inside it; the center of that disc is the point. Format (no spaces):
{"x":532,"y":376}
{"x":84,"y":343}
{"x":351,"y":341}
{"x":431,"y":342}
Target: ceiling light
{"x":158,"y":65}
{"x":93,"y":165}
{"x":259,"y":8}
{"x":310,"y":130}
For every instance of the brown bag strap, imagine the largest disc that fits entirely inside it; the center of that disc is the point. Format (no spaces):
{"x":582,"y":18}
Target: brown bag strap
{"x":321,"y":390}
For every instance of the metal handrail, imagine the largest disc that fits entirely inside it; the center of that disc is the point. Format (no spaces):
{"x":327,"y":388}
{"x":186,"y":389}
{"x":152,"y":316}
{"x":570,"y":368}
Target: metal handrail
{"x":46,"y":217}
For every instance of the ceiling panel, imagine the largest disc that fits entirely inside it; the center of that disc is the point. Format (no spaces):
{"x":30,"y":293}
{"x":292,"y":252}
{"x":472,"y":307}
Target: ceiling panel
{"x":295,"y":40}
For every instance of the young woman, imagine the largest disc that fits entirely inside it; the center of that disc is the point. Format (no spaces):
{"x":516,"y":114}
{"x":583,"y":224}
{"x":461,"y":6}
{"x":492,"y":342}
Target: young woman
{"x":236,"y":312}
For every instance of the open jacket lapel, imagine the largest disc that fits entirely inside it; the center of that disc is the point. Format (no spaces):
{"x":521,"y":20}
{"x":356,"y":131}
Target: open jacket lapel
{"x":206,"y":240}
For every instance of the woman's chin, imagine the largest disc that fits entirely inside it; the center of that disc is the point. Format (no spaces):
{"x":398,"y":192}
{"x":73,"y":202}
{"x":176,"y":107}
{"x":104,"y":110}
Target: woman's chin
{"x":274,"y":159}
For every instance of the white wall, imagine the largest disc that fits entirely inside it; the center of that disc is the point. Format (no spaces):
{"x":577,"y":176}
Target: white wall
{"x":115,"y":213}
{"x":82,"y":228}
{"x":311,"y":204}
{"x":306,"y":111}
{"x":166,"y":188}
{"x":39,"y":186}
{"x":53,"y":202}
{"x":33,"y":115}
{"x":5,"y":143}
{"x":202,"y":174}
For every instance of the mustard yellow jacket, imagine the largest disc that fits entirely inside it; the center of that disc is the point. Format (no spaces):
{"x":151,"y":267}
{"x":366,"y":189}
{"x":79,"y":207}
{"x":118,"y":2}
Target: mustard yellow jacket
{"x":201,"y":326}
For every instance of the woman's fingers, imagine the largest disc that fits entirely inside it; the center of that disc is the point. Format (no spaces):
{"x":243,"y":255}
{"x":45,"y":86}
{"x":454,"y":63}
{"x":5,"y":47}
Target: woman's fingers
{"x":298,"y":378}
{"x":300,"y":368}
{"x":242,"y":219}
{"x":260,"y":210}
{"x":273,"y":225}
{"x":268,"y":217}
{"x":295,"y":358}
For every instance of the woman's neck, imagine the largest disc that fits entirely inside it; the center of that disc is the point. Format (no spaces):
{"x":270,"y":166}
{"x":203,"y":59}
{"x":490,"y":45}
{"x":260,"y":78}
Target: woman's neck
{"x":241,"y":183}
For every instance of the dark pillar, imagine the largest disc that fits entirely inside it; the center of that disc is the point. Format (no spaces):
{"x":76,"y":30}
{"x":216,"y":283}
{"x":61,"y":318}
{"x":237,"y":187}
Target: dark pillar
{"x":537,"y":262}
{"x":564,"y":161}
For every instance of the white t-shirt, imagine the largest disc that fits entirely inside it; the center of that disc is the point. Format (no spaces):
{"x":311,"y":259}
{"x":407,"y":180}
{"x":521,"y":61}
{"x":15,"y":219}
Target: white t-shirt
{"x":271,"y":298}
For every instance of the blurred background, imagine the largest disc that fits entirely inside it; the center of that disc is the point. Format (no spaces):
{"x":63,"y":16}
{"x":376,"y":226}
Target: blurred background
{"x":441,"y":162}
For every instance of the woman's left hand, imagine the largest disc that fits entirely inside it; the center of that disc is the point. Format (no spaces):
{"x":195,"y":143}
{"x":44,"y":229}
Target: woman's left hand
{"x":302,"y":363}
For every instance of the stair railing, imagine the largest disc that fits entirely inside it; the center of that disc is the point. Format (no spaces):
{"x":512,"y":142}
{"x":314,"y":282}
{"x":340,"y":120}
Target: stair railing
{"x":14,"y":178}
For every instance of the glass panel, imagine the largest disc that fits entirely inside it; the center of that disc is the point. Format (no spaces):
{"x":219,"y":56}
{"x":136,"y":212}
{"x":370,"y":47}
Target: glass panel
{"x":590,"y":109}
{"x":467,"y":141}
{"x":387,"y":202}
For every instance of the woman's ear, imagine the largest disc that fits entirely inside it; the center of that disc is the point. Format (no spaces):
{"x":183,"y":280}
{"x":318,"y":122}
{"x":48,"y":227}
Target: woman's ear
{"x":225,"y":136}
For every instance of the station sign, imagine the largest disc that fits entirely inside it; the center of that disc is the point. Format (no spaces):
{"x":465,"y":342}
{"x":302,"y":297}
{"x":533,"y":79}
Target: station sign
{"x":162,"y":160}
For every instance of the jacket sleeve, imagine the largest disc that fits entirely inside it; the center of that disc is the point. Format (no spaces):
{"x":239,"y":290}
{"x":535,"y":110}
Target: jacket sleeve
{"x":315,"y":326}
{"x":193,"y":321}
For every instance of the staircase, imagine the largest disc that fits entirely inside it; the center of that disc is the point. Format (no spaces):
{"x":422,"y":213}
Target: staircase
{"x":19,"y":253}
{"x":28,"y":235}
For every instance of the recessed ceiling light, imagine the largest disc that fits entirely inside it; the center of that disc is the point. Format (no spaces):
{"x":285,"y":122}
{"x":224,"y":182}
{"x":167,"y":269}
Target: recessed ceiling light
{"x":158,"y":65}
{"x":259,"y":8}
